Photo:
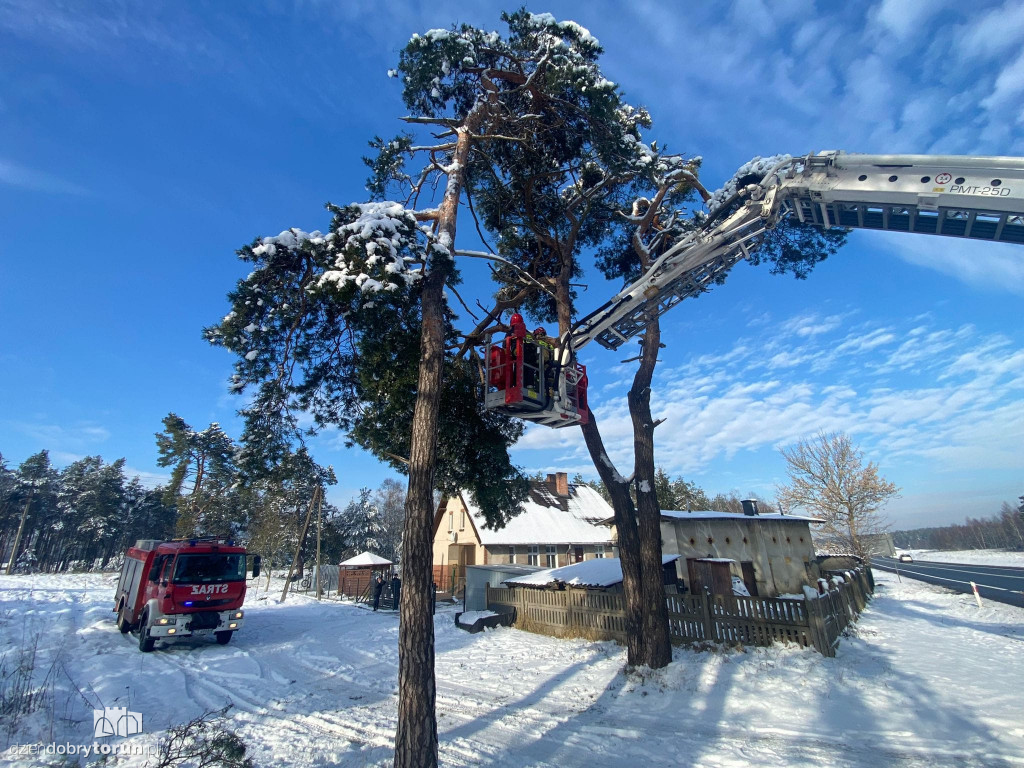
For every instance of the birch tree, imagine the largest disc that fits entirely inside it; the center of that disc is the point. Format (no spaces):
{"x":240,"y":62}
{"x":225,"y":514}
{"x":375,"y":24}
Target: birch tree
{"x":829,"y":479}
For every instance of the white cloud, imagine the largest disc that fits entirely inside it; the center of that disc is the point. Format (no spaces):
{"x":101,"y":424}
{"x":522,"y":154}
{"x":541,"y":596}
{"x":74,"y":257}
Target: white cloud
{"x":64,"y":437}
{"x":812,"y":325}
{"x":148,"y":479}
{"x":15,"y":175}
{"x":956,"y":407}
{"x":102,"y":27}
{"x":997,"y":267}
{"x":903,"y":19}
{"x":866,"y":343}
{"x":1009,"y":85}
{"x":994,"y":33}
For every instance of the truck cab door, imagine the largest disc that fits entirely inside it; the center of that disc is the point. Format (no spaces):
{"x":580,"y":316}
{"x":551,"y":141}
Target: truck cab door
{"x":158,"y":573}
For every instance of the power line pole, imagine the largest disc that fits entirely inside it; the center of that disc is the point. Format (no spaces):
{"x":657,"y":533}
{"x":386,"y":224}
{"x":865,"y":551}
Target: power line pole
{"x":298,"y":547}
{"x":319,"y":523}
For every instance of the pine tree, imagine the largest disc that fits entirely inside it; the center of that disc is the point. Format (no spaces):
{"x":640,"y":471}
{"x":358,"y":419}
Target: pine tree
{"x":601,"y":186}
{"x":363,"y":525}
{"x":91,"y":506}
{"x":34,"y":493}
{"x":207,"y":458}
{"x":146,"y":516}
{"x":277,"y":497}
{"x":390,"y":500}
{"x":351,"y":325}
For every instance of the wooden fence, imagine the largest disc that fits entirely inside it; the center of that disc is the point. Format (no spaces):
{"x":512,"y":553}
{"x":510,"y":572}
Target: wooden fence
{"x":812,"y":622}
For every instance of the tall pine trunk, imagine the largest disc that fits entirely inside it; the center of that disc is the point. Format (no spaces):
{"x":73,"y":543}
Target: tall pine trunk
{"x":416,"y":735}
{"x":17,"y":537}
{"x":654,"y":612}
{"x":638,"y":526}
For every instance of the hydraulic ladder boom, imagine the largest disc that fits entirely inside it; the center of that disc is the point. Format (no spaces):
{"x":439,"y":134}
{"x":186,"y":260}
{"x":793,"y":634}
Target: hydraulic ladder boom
{"x":980,"y":198}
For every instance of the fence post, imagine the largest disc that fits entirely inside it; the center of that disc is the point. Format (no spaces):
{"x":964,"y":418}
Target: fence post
{"x":854,"y":592}
{"x":709,"y":623}
{"x":816,"y":619}
{"x":862,"y":599}
{"x":865,"y":575}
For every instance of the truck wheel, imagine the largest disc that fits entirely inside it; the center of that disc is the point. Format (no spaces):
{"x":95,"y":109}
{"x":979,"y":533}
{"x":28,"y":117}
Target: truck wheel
{"x":122,"y":623}
{"x":146,"y":643}
{"x":223,"y":638}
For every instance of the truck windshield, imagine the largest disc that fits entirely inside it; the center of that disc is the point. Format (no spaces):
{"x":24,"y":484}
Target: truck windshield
{"x":204,"y":569}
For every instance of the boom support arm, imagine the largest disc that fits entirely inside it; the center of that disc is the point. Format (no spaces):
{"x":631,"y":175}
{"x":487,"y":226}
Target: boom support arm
{"x":979,"y":198}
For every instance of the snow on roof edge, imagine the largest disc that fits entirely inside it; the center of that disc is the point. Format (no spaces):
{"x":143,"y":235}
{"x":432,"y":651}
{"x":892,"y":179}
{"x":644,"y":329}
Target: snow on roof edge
{"x":599,"y":572}
{"x":366,"y":558}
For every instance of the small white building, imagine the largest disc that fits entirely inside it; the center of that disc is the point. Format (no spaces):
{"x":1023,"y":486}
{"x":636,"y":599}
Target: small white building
{"x":479,"y":577}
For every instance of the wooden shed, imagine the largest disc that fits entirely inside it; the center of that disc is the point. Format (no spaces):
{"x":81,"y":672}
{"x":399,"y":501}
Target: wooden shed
{"x":356,"y":573}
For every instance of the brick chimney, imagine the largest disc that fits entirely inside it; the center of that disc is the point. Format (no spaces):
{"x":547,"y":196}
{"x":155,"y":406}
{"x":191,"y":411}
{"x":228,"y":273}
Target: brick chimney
{"x":562,"y":484}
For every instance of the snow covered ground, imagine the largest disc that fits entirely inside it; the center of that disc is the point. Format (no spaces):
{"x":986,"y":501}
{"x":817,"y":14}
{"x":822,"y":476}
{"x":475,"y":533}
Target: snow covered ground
{"x":927,"y":679}
{"x":970,"y":556}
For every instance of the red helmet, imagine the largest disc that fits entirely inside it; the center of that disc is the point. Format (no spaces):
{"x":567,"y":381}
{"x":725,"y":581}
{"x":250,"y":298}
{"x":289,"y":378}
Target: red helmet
{"x":540,"y":332}
{"x":516,"y":319}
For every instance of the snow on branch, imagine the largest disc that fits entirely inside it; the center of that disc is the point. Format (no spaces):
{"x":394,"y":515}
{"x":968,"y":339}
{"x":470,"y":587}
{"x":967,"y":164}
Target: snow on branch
{"x":289,"y":239}
{"x":758,"y":166}
{"x":374,"y":248}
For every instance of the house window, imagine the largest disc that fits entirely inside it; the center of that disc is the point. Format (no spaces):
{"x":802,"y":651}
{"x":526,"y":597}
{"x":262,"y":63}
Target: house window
{"x":552,"y":555}
{"x":451,"y":522}
{"x":533,"y":555}
{"x":462,"y":521}
{"x":512,"y":555}
{"x":599,"y":551}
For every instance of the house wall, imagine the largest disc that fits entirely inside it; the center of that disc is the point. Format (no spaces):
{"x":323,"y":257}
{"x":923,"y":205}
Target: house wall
{"x":565,"y":554}
{"x":781,"y":550}
{"x":465,"y":549}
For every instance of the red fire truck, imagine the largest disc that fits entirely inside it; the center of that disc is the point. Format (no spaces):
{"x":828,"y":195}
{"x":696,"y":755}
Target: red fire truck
{"x":185,"y":587}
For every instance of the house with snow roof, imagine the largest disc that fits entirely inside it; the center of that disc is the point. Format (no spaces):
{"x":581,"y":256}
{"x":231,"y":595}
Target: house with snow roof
{"x":560,"y":524}
{"x":771,"y":554}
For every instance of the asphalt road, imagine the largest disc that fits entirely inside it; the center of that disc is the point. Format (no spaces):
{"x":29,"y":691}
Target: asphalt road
{"x":1002,"y":584}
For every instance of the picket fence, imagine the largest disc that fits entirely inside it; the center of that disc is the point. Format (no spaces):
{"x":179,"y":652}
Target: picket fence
{"x":812,"y":622}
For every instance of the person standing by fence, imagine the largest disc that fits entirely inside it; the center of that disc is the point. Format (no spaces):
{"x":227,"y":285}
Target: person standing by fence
{"x":396,"y":589}
{"x":378,"y":585}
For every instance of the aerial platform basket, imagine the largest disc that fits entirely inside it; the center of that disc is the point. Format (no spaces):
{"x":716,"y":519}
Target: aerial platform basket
{"x":526,"y":377}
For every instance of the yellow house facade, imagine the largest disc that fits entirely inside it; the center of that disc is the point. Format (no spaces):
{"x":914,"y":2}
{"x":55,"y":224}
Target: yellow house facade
{"x":560,"y":524}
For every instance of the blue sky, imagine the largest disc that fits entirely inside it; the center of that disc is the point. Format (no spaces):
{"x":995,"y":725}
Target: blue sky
{"x":141,"y":143}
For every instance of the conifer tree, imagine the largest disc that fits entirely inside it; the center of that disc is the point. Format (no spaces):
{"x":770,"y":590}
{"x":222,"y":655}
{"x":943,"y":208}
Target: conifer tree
{"x":363,"y":525}
{"x":601,"y":186}
{"x":352,"y":326}
{"x":35,"y":485}
{"x":207,"y":458}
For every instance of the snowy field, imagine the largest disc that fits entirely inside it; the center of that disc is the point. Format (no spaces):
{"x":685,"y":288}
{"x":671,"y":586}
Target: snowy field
{"x":969,"y":556}
{"x":927,"y":679}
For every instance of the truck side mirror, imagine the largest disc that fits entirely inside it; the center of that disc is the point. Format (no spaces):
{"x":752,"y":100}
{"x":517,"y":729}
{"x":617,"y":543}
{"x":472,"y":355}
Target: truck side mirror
{"x":256,"y":560}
